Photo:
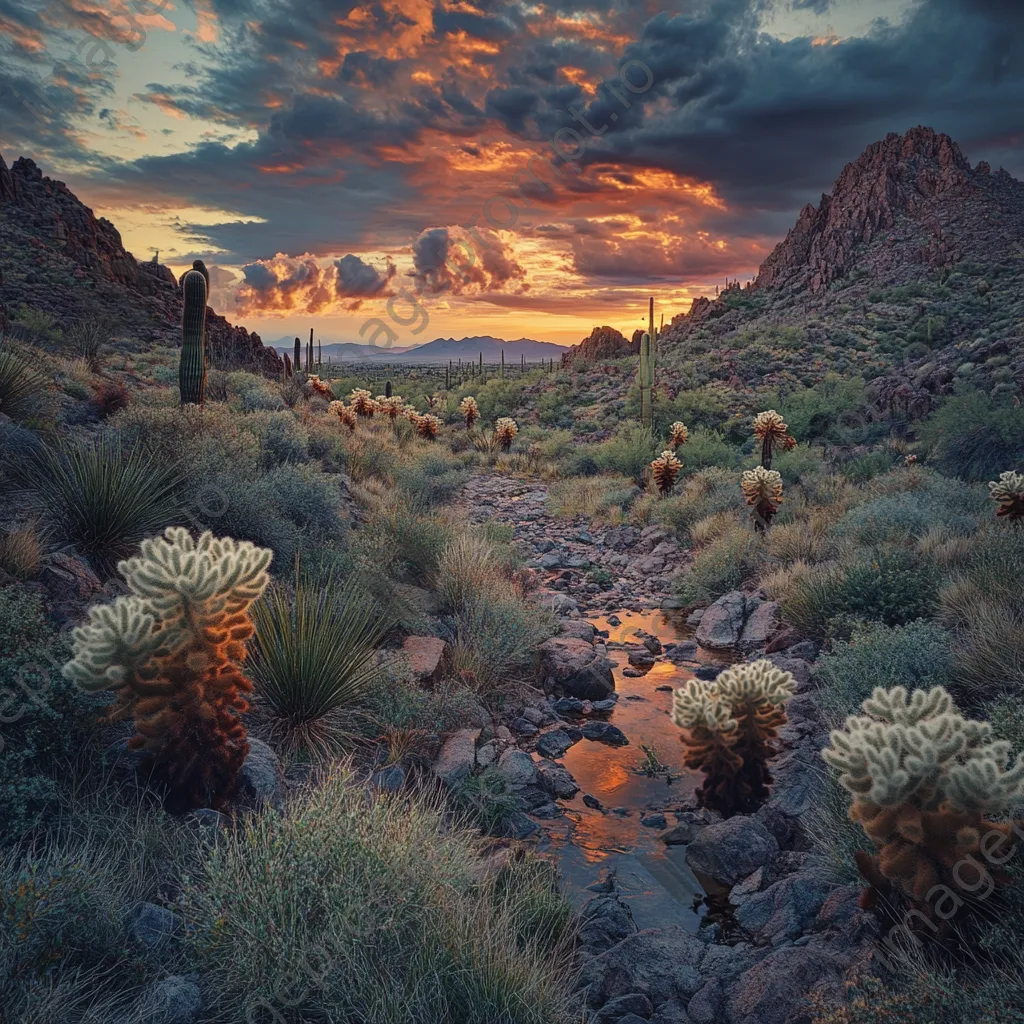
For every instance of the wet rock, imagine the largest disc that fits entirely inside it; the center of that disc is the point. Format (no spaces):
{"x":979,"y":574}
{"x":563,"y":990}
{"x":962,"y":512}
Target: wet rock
{"x":633,"y":673}
{"x":518,"y":826}
{"x":604,"y":922}
{"x":605,"y":732}
{"x":614,"y":620}
{"x":557,"y":780}
{"x":576,"y":669}
{"x":546,"y":811}
{"x":710,"y":672}
{"x":458,"y":756}
{"x":592,"y":802}
{"x":580,"y":629}
{"x":648,"y":962}
{"x":554,"y":744}
{"x":787,"y":908}
{"x":425,"y":655}
{"x":654,"y":821}
{"x":721,"y":625}
{"x":604,"y":706}
{"x":732,"y":849}
{"x":518,"y":768}
{"x":799,"y":782}
{"x":641,"y":658}
{"x":685,"y":650}
{"x":567,"y":706}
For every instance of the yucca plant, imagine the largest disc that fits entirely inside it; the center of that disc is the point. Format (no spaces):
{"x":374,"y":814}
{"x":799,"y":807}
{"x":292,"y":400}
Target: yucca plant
{"x":427,"y":426}
{"x":470,"y":411}
{"x":678,"y":434}
{"x":485,"y":441}
{"x":312,"y":660}
{"x":770,"y":429}
{"x":1008,"y":493}
{"x":665,"y":470}
{"x":362,"y":403}
{"x":20,"y":386}
{"x":762,"y":489}
{"x":505,"y":430}
{"x":85,"y":338}
{"x":102,"y":497}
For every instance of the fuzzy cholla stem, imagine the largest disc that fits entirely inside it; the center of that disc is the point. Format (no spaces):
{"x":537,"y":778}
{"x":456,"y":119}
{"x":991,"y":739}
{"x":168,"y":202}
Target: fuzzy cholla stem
{"x":678,"y":434}
{"x":762,"y":489}
{"x":470,"y":411}
{"x":770,"y":429}
{"x":1008,"y":493}
{"x":665,"y":469}
{"x":505,"y":430}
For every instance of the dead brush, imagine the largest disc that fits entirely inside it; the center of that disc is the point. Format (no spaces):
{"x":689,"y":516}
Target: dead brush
{"x":21,"y":551}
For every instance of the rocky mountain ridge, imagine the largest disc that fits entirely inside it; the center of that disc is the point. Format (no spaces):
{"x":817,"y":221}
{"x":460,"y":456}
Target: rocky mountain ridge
{"x":58,"y":257}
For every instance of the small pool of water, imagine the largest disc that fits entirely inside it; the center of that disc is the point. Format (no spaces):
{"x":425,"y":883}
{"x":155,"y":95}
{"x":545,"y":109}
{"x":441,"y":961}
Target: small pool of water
{"x":586,"y":841}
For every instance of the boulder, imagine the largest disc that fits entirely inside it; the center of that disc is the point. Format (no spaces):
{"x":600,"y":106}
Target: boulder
{"x":762,"y":623}
{"x":173,"y":1000}
{"x":151,"y":925}
{"x":604,"y":922}
{"x":458,"y":756}
{"x":786,"y":909}
{"x":730,"y":850}
{"x":554,"y":744}
{"x":632,"y":1006}
{"x":557,"y":780}
{"x":261,"y":780}
{"x":575,"y":668}
{"x":425,"y":655}
{"x":579,"y":628}
{"x":518,"y":768}
{"x":605,"y":732}
{"x":722,"y":623}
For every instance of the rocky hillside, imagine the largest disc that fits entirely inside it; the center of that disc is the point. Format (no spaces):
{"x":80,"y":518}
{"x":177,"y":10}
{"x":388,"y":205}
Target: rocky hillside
{"x":56,"y":256}
{"x":602,"y":343}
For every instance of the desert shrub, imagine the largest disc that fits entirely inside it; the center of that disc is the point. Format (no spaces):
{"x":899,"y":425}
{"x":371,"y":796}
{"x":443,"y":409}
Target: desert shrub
{"x":628,"y":453}
{"x":255,"y":394}
{"x":46,"y":717}
{"x":21,"y":551}
{"x":554,"y":408}
{"x":827,"y":412}
{"x":467,"y":570}
{"x":486,"y":800}
{"x":707,"y":448}
{"x":498,"y":397}
{"x":384,"y":917}
{"x":727,"y":562}
{"x":430,"y":479}
{"x":918,"y":655}
{"x":591,"y":496}
{"x":794,"y":465}
{"x":103,"y":497}
{"x":312,"y":660}
{"x":704,"y":494}
{"x":705,"y":407}
{"x":281,"y":437}
{"x":86,"y":339}
{"x":403,"y":540}
{"x":396,"y":705}
{"x":306,"y":496}
{"x":974,"y":436}
{"x":863,"y":468}
{"x":20,"y":386}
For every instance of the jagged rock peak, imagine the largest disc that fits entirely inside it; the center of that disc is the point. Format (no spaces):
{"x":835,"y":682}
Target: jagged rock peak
{"x":602,"y":343}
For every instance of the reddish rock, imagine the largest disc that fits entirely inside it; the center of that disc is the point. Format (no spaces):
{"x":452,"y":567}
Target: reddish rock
{"x":425,"y":655}
{"x":603,"y":343}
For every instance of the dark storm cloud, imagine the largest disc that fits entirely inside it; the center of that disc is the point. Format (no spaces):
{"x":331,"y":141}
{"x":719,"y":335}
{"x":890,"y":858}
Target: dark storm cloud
{"x":357,"y":279}
{"x":486,"y":27}
{"x":455,"y":263}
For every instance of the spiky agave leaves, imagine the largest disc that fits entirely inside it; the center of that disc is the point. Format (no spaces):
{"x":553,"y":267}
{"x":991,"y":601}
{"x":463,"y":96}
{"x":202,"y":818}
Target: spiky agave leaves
{"x":665,"y":469}
{"x":762,"y":490}
{"x":470,"y":411}
{"x":678,"y":434}
{"x":770,"y":429}
{"x":320,"y":387}
{"x":172,"y":650}
{"x":427,"y":426}
{"x":923,"y":779}
{"x":505,"y":430}
{"x":1008,"y":493}
{"x":731,"y":725}
{"x":362,"y":402}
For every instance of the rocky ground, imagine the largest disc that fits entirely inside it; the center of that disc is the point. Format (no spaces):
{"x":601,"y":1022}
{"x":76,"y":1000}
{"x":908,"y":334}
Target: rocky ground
{"x":790,"y":929}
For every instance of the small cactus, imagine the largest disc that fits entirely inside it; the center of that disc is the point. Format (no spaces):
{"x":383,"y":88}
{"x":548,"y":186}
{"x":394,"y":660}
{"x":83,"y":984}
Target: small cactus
{"x":362,"y":402}
{"x":678,"y":434}
{"x":192,"y":364}
{"x":287,"y":365}
{"x":320,"y":387}
{"x":1008,"y":493}
{"x":470,"y":411}
{"x":387,"y":389}
{"x":770,"y":429}
{"x":505,"y":430}
{"x":344,"y":413}
{"x":427,"y":426}
{"x":762,"y":489}
{"x":665,"y":469}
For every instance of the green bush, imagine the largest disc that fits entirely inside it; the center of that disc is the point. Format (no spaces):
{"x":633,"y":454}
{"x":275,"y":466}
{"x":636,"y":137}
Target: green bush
{"x":707,"y":492}
{"x":376,"y":913}
{"x":866,"y":467}
{"x":281,"y":437}
{"x":431,"y":479}
{"x":255,"y":394}
{"x":725,"y":564}
{"x":628,"y":453}
{"x":974,"y":436}
{"x":706,"y":449}
{"x":830,"y":411}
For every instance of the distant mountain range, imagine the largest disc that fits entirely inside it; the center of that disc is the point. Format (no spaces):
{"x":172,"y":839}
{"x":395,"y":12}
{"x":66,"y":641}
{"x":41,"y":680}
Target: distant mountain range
{"x":440,"y":350}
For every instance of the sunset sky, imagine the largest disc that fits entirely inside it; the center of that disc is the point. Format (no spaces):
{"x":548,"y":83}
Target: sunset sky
{"x":327,"y":158}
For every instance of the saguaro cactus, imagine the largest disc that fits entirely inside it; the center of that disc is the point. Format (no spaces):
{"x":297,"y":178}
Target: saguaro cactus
{"x":645,"y":379}
{"x":387,"y":389}
{"x":298,"y":356}
{"x":192,"y":365}
{"x":287,"y":365}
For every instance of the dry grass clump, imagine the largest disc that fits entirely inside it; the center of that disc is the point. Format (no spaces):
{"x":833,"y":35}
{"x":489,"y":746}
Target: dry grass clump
{"x":710,"y":528}
{"x":593,"y":496}
{"x":805,"y":540}
{"x":21,"y":551}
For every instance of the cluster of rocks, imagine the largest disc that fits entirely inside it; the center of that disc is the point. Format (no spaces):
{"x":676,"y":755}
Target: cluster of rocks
{"x":614,"y":568}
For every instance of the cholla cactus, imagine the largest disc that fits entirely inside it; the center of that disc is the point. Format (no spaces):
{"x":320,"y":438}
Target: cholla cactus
{"x":731,"y":726}
{"x":910,"y":460}
{"x":678,"y":434}
{"x":427,"y":426}
{"x":362,"y":402}
{"x":320,"y":387}
{"x":505,"y":430}
{"x":770,"y":429}
{"x":172,"y":649}
{"x":922,"y":779}
{"x":762,"y":489}
{"x":666,"y":469}
{"x":470,"y":411}
{"x":344,"y":413}
{"x":1008,"y":493}
{"x":391,"y":406}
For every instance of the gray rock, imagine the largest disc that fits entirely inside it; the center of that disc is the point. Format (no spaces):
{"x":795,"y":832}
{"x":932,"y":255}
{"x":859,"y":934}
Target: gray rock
{"x":557,"y":780}
{"x":787,"y":908}
{"x":671,"y":1012}
{"x":654,"y":821}
{"x":798,"y":782}
{"x":605,"y":732}
{"x":604,"y":922}
{"x":151,"y":925}
{"x":721,"y":625}
{"x":554,"y":744}
{"x":775,"y":990}
{"x":592,"y":802}
{"x":641,"y":658}
{"x":648,"y":961}
{"x":732,"y":849}
{"x":173,"y":1000}
{"x":579,"y":628}
{"x":389,"y":780}
{"x":567,"y":706}
{"x":560,"y":604}
{"x":546,"y":811}
{"x":486,"y":754}
{"x":693,"y":619}
{"x":604,"y":706}
{"x":523,"y":727}
{"x":633,"y":1005}
{"x":729,"y":962}
{"x":533,"y":715}
{"x":575,"y":668}
{"x":762,"y":623}
{"x":706,"y":1004}
{"x":518,"y":826}
{"x":261,"y":780}
{"x":209,"y":822}
{"x":518,"y":768}
{"x":797,"y":667}
{"x":672,"y":604}
{"x":685,"y":650}
{"x":619,"y":538}
{"x":458,"y":756}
